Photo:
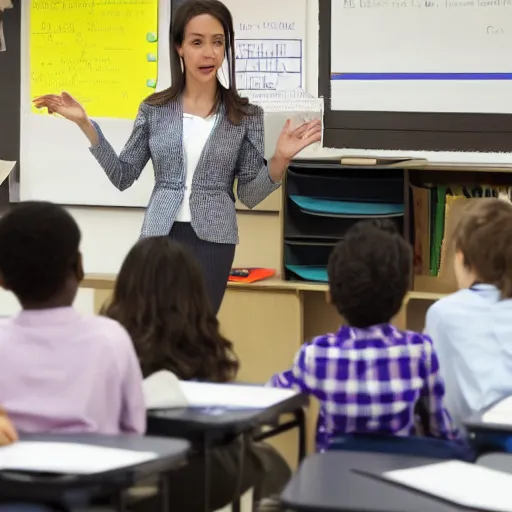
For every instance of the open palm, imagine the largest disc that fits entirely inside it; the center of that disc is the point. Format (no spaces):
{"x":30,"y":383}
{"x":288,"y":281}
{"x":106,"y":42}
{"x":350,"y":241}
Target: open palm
{"x":63,"y":104}
{"x":292,"y":141}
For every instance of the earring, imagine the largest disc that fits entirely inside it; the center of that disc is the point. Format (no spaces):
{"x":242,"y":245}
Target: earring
{"x":223,"y":74}
{"x":182,"y":64}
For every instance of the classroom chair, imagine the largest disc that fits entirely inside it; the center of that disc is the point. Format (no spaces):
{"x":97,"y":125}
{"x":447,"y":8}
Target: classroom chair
{"x":415,"y":446}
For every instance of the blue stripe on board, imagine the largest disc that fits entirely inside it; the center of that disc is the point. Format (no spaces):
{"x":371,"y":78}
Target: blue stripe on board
{"x":421,"y":76}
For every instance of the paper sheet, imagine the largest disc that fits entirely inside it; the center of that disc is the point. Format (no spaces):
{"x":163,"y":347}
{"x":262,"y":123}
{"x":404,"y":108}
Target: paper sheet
{"x":233,"y":396}
{"x":164,"y":390}
{"x":296,"y":105}
{"x":469,"y":485}
{"x":70,"y":458}
{"x":103,"y":53}
{"x":6,"y":168}
{"x":500,"y":414}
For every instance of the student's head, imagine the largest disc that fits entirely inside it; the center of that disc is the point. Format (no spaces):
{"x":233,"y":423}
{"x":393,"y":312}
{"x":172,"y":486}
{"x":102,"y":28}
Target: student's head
{"x":369,"y":273}
{"x":483,"y":245}
{"x":161,"y":300}
{"x":40,"y":260}
{"x":202,"y":37}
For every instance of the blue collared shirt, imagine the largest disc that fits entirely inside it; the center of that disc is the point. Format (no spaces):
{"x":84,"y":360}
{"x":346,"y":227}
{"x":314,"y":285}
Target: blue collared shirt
{"x":472,"y":335}
{"x":369,"y":381}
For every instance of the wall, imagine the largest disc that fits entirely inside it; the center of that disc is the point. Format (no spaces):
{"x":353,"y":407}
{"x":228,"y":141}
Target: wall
{"x":108,"y":233}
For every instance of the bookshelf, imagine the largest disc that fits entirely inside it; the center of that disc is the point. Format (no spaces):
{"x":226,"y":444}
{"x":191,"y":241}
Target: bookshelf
{"x":311,"y":227}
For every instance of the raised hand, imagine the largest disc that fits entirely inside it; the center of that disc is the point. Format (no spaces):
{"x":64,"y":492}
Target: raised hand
{"x":292,"y":141}
{"x":63,"y":104}
{"x":8,"y":433}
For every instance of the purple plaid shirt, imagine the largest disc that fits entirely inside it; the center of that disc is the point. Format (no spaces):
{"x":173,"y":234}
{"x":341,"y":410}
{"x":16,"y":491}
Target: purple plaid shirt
{"x":369,"y":381}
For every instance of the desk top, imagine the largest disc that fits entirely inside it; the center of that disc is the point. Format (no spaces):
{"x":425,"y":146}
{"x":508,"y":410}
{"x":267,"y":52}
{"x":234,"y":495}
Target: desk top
{"x":171,"y":453}
{"x":497,"y":461}
{"x":476,"y":424}
{"x":326,"y":482}
{"x":274,"y":284}
{"x":196,"y":423}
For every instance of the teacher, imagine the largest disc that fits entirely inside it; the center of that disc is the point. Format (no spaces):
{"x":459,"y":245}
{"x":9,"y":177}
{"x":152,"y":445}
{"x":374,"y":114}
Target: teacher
{"x":200,"y":135}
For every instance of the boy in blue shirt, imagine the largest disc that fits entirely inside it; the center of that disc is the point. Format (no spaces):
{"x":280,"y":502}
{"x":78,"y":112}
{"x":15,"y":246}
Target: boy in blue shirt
{"x":472,"y":328}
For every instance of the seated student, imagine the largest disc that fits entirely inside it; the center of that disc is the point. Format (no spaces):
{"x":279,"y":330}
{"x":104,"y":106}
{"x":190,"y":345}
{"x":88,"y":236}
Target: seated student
{"x":60,"y":371}
{"x":161,"y":299}
{"x":472,"y":328}
{"x":369,"y":376}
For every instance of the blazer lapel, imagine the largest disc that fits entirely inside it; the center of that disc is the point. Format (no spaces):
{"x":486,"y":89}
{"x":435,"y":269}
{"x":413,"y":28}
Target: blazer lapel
{"x":175,"y":149}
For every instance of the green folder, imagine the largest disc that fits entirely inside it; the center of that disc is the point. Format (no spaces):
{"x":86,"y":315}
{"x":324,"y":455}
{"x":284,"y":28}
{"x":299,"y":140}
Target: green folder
{"x":437,"y":228}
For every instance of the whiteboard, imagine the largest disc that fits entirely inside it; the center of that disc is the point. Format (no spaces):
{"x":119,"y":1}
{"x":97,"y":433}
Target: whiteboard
{"x":422,"y":55}
{"x":56,"y":164}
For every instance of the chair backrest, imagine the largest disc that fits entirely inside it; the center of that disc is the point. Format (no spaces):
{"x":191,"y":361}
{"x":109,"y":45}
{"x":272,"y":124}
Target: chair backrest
{"x":414,"y":446}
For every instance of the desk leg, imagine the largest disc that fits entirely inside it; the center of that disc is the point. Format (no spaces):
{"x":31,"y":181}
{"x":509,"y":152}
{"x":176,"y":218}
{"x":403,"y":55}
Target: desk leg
{"x":165,"y":502}
{"x":119,"y":501}
{"x":301,"y":420}
{"x":207,"y":472}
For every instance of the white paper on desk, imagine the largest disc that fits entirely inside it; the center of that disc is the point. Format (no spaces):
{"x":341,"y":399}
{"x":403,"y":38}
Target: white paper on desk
{"x":468,"y":485}
{"x":6,"y":168}
{"x":68,"y":458}
{"x":234,"y":396}
{"x":500,"y":414}
{"x":162,"y":390}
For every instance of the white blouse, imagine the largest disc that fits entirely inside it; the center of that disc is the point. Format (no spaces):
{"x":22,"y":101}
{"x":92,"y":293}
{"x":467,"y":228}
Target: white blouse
{"x":196,"y":131}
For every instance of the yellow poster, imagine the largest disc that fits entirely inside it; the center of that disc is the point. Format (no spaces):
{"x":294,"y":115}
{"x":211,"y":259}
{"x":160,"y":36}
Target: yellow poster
{"x":102,"y":52}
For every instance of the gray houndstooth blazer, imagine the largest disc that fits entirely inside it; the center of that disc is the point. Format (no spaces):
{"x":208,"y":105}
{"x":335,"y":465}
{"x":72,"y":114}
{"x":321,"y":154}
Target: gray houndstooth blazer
{"x":231,"y":151}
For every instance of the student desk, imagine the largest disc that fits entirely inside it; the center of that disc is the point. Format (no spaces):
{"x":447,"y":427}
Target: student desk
{"x":267,"y":322}
{"x":497,"y":461}
{"x":208,"y":427}
{"x":487,"y":436}
{"x":16,"y":486}
{"x":327,"y":482}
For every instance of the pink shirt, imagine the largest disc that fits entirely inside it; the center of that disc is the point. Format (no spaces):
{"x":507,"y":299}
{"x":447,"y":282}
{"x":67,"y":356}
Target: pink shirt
{"x":64,"y":372}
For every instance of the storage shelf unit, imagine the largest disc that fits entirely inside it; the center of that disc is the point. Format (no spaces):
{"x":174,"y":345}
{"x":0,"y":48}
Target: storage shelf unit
{"x":322,"y":199}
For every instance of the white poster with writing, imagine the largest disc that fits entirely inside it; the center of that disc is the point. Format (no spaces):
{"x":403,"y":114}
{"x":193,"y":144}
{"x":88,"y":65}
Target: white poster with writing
{"x":422,"y":55}
{"x":270,"y":44}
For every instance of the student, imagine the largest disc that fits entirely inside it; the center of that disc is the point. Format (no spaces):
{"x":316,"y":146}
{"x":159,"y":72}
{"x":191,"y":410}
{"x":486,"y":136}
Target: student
{"x":60,"y":371}
{"x":160,"y":297}
{"x":472,"y":328}
{"x":8,"y":434}
{"x":369,"y":376}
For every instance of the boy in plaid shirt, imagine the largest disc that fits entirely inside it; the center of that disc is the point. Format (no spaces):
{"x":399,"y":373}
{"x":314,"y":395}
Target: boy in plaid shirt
{"x":369,"y":376}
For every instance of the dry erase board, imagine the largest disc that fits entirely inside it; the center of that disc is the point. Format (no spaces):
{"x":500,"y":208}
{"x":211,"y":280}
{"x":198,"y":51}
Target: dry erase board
{"x":424,"y":75}
{"x":57,"y":51}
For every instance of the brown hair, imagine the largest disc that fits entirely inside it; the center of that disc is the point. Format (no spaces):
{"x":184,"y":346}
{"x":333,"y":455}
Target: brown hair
{"x":236,"y":106}
{"x":484,"y":237}
{"x":160,"y":298}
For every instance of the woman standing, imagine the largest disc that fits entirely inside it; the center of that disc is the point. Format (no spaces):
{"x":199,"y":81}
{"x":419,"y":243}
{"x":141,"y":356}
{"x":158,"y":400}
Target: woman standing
{"x":200,"y":136}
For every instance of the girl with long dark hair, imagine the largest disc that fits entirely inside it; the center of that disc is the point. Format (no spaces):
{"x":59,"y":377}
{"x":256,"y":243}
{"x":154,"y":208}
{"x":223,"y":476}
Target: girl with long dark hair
{"x":161,"y":300}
